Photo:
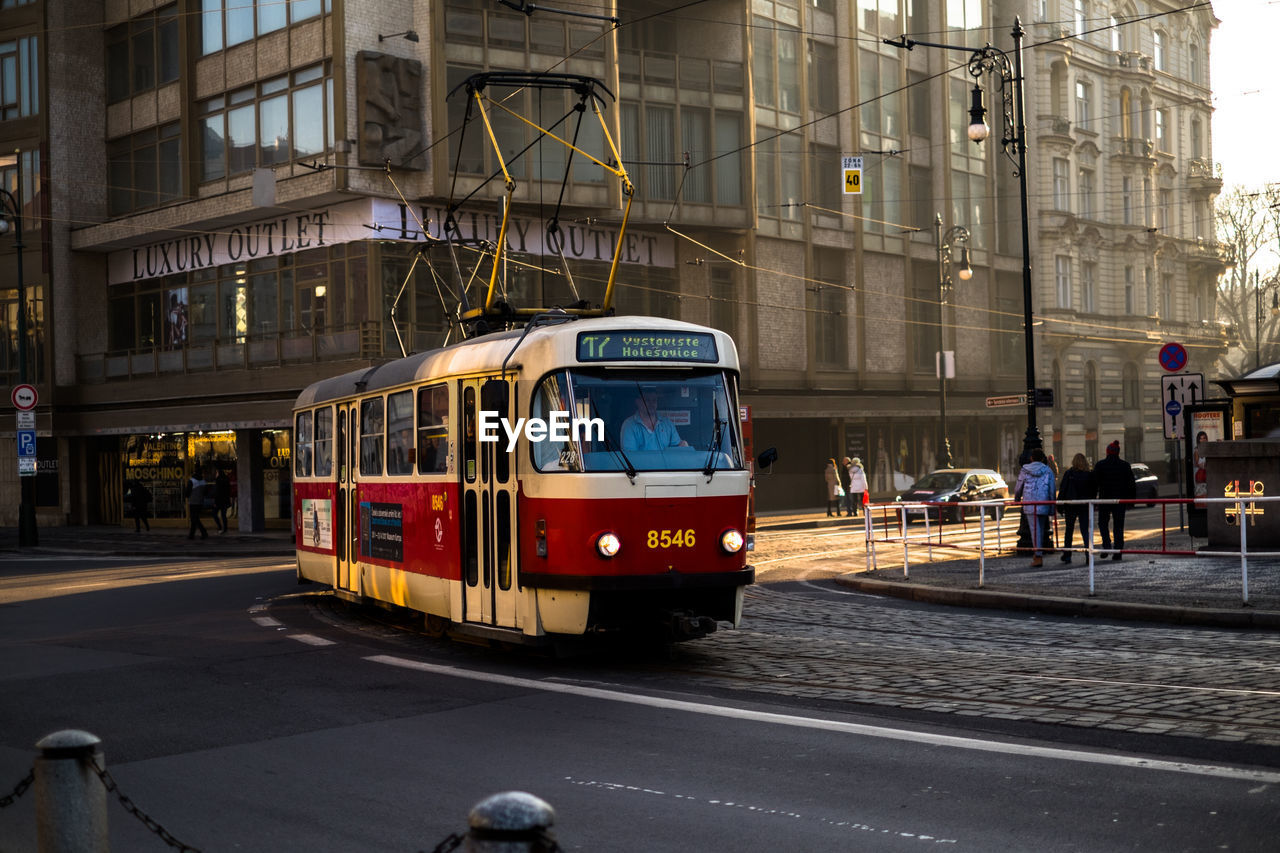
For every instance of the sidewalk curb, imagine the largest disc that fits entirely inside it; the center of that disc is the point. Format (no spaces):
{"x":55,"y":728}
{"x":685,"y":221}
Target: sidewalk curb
{"x":1062,"y":606}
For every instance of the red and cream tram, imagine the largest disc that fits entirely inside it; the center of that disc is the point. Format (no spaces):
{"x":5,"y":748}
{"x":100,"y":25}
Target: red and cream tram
{"x":570,"y":477}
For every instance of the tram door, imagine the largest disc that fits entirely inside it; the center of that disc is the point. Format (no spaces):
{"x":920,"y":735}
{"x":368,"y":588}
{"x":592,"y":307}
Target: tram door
{"x":347,"y":511}
{"x":487,"y":472}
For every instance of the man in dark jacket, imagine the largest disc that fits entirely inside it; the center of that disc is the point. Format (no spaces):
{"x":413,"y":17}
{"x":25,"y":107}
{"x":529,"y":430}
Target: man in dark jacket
{"x":1114,"y":477}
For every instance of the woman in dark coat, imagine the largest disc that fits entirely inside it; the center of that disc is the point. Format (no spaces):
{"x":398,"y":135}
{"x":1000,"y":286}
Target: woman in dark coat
{"x":1078,"y":484}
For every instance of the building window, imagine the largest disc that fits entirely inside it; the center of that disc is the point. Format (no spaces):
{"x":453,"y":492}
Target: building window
{"x":1128,"y":290}
{"x":824,"y":95}
{"x":1193,"y":62}
{"x":1009,"y":332}
{"x":142,"y":54}
{"x":776,"y":65}
{"x":1126,"y":197}
{"x":20,"y":175}
{"x":1062,"y":280}
{"x":1165,"y":202}
{"x":144,"y":169}
{"x":1087,"y":190}
{"x":824,"y":185}
{"x":1061,"y":184}
{"x":1131,"y":388}
{"x":19,"y":77}
{"x":1078,"y":15}
{"x":724,"y":300}
{"x":275,"y":121}
{"x":1166,"y":297}
{"x":1088,"y":287}
{"x":1090,"y":387}
{"x":1159,"y":43}
{"x":831,"y":320}
{"x":226,"y":23}
{"x":1197,"y":145}
{"x":1117,"y":34}
{"x":1162,"y":123}
{"x":1084,"y":104}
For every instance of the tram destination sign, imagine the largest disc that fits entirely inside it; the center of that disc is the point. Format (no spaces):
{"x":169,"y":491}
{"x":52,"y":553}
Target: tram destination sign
{"x":647,"y":346}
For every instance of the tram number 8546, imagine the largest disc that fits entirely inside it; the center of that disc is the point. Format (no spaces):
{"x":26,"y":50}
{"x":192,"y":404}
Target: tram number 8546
{"x":671,"y":538}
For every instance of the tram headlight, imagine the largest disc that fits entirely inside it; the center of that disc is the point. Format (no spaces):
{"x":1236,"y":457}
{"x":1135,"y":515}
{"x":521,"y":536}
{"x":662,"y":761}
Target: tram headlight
{"x":608,"y":545}
{"x":731,"y":541}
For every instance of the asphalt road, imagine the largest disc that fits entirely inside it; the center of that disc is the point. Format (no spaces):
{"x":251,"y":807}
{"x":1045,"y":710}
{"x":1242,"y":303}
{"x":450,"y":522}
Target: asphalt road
{"x":244,"y":712}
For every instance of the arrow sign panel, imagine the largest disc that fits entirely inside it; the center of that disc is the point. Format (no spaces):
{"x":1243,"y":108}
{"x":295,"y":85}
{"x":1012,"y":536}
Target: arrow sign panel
{"x":1176,"y":392}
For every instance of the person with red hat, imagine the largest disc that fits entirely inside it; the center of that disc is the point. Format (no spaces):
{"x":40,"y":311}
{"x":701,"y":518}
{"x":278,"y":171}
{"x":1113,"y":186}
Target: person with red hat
{"x":1115,"y":481}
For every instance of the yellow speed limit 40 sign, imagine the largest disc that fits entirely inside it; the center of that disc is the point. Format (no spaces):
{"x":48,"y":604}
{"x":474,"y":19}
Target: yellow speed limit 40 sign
{"x":851,"y":168}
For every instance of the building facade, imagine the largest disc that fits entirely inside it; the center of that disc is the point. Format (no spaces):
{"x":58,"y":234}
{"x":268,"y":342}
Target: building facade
{"x":225,"y":201}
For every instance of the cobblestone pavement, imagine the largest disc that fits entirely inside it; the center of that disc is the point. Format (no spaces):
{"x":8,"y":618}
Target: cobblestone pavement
{"x":1218,"y":684}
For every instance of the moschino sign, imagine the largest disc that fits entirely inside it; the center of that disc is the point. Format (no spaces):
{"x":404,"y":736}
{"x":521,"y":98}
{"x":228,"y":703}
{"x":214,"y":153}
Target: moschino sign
{"x":375,"y":219}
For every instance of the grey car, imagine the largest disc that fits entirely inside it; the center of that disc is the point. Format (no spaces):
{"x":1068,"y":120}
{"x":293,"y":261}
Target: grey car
{"x":951,"y":487}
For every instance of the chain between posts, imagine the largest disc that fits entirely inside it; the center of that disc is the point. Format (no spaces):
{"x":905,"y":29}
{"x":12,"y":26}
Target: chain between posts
{"x":19,"y":790}
{"x":147,"y":821}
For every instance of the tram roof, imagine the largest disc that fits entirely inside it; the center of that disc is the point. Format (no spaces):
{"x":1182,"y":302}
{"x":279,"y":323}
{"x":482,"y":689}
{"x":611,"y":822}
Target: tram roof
{"x":546,"y":345}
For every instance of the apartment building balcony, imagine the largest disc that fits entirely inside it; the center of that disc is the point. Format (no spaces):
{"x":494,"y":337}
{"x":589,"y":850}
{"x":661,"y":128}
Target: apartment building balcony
{"x":1136,"y":63}
{"x":1204,"y":175}
{"x":1207,"y":253}
{"x":1055,"y":128}
{"x":1134,"y":148}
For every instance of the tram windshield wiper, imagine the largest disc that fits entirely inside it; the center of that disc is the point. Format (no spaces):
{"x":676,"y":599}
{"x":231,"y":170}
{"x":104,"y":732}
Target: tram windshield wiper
{"x":717,"y":426}
{"x":627,"y":467}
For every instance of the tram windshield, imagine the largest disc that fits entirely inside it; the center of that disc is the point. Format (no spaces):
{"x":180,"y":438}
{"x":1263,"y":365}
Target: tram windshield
{"x":624,"y":420}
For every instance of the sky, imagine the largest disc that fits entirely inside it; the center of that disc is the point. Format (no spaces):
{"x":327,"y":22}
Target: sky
{"x":1246,"y":91}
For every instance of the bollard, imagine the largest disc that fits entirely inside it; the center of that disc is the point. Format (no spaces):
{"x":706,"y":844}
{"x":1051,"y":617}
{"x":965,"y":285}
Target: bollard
{"x":511,"y":822}
{"x":71,"y":801}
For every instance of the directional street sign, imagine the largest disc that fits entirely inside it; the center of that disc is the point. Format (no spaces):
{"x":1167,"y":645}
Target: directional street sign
{"x":1176,"y":392}
{"x":1007,"y":400}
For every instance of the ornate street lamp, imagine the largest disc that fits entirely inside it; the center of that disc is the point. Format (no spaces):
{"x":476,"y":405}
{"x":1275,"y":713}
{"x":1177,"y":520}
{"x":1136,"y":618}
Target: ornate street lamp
{"x":956,"y":235}
{"x":11,"y":218}
{"x":992,"y":60}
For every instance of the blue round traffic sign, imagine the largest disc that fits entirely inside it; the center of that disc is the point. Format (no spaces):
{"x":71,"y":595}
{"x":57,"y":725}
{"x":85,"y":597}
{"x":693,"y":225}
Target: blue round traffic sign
{"x":1173,"y":357}
{"x":1173,"y":408}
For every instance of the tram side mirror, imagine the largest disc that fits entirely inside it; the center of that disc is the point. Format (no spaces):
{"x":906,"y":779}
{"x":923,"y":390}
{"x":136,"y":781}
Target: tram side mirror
{"x":767,"y":458}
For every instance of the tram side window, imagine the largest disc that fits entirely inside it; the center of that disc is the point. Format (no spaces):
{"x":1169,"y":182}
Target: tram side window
{"x":324,"y":443}
{"x":433,"y":430}
{"x":303,"y":441}
{"x":551,"y":397}
{"x":400,"y":454}
{"x":371,"y":437}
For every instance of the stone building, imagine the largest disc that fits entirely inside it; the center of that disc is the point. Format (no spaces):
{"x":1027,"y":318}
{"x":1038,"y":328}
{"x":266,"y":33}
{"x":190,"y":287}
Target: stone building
{"x":223,"y":201}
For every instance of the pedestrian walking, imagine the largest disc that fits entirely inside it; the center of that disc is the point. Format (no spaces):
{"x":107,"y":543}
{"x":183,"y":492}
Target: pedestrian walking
{"x":857,"y":488}
{"x":1115,"y":481}
{"x":1078,"y":484}
{"x":138,"y":497}
{"x":221,"y":499}
{"x":195,"y":491}
{"x":1035,"y":489}
{"x":835,"y":491}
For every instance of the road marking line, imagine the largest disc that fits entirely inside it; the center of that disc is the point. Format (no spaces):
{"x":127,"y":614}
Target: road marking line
{"x":312,"y":640}
{"x":268,"y":622}
{"x":925,"y":738}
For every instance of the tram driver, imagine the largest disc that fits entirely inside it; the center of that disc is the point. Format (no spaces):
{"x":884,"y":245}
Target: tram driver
{"x":648,"y":430}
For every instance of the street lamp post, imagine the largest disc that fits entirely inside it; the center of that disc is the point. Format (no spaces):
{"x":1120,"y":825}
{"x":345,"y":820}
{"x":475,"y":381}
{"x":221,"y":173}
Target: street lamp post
{"x":957,"y":235}
{"x":11,"y":216}
{"x":992,"y":60}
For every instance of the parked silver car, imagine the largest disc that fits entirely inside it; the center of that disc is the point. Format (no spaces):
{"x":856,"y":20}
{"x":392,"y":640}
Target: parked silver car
{"x":950,"y":487}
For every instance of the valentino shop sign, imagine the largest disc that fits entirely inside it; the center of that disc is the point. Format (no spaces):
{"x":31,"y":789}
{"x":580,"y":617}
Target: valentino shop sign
{"x":376,"y":219}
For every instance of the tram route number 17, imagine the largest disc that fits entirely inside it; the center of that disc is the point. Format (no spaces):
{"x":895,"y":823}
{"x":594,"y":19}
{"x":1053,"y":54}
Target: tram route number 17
{"x":671,"y":538}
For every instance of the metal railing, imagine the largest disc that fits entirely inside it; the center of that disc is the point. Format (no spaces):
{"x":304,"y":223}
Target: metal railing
{"x":889,"y":523}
